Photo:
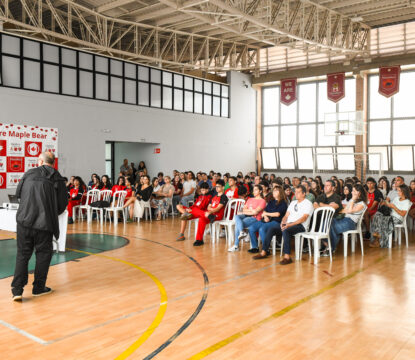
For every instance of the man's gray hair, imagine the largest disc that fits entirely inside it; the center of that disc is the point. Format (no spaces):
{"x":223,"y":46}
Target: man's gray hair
{"x":48,"y":157}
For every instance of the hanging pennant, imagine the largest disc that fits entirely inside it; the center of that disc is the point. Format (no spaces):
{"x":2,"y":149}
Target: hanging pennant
{"x":335,"y":87}
{"x":288,"y":91}
{"x":389,"y":80}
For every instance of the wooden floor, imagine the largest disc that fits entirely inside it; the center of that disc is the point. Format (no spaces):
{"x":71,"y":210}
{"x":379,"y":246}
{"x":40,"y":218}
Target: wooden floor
{"x":220,"y":305}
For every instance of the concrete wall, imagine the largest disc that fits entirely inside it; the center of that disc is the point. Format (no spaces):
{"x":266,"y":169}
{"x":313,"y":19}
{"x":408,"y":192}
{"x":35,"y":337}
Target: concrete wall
{"x":187,"y":141}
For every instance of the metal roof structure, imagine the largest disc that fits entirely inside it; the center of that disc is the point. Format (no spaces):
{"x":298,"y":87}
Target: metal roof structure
{"x":211,"y":35}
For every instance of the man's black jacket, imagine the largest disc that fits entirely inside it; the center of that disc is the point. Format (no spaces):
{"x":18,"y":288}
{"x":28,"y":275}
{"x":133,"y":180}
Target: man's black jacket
{"x":43,"y":196}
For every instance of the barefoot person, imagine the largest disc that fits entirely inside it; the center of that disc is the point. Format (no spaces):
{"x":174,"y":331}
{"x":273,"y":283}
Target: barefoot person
{"x":43,"y":196}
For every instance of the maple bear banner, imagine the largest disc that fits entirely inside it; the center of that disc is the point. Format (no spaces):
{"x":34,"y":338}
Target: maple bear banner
{"x":20,"y":146}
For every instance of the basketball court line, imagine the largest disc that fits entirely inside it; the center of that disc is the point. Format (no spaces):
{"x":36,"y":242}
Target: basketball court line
{"x":24,"y":333}
{"x":219,"y":345}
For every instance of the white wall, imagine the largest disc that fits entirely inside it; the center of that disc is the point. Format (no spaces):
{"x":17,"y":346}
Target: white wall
{"x":187,"y":141}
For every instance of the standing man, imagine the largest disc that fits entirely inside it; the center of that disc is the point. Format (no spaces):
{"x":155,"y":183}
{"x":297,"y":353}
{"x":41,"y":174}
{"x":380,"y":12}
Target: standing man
{"x":43,"y":196}
{"x":125,"y":169}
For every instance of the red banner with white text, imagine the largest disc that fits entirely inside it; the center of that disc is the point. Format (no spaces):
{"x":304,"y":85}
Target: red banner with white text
{"x":288,"y":91}
{"x":335,"y":87}
{"x":20,"y":146}
{"x":389,"y":80}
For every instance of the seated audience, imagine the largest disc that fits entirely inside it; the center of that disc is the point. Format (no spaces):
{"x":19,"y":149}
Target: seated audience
{"x":189,"y":188}
{"x":270,"y":223}
{"x":178,"y":190}
{"x":198,"y":209}
{"x":106,"y":183}
{"x":125,"y":168}
{"x":232,"y":191}
{"x":329,"y":198}
{"x":92,"y":182}
{"x":214,"y":212}
{"x":383,"y":225}
{"x":296,"y":220}
{"x":119,"y":186}
{"x":383,"y":186}
{"x":347,"y":194}
{"x":374,"y":197}
{"x":315,"y":187}
{"x":353,"y":210}
{"x":142,"y":195}
{"x":142,"y":167}
{"x":70,"y":183}
{"x":309,"y":194}
{"x":412,"y":191}
{"x":398,"y":181}
{"x":96,"y":183}
{"x":162,"y":197}
{"x":75,"y":196}
{"x":251,"y":213}
{"x":288,"y":192}
{"x":160,"y":176}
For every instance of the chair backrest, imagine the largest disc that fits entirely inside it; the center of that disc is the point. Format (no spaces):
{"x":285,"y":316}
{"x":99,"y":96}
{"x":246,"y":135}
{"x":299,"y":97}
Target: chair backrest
{"x":322,"y":218}
{"x":92,"y":196}
{"x":105,"y":195}
{"x":232,"y":208}
{"x":359,"y":222}
{"x":119,"y":198}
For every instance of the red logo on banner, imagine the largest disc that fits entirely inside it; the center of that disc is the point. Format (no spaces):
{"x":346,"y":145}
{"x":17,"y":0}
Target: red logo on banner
{"x":389,"y":80}
{"x":3,"y":147}
{"x":2,"y":180}
{"x":335,"y":86}
{"x":288,"y":91}
{"x":33,"y":149}
{"x":15,"y":164}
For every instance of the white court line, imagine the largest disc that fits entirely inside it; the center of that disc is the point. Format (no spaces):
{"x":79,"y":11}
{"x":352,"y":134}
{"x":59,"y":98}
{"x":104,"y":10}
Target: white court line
{"x":24,"y":333}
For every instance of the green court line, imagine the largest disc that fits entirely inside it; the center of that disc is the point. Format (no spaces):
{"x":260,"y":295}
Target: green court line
{"x":93,"y":243}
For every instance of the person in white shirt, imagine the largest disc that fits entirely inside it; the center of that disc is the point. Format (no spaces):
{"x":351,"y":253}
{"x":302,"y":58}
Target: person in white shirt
{"x":296,"y":220}
{"x":399,"y":180}
{"x":189,"y":187}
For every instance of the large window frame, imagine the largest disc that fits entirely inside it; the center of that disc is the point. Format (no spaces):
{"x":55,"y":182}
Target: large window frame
{"x":70,"y":72}
{"x":337,"y":143}
{"x":389,"y":146}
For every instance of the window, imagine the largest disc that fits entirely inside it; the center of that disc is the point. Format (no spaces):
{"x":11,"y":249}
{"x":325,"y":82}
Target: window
{"x":269,"y":160}
{"x":271,"y":99}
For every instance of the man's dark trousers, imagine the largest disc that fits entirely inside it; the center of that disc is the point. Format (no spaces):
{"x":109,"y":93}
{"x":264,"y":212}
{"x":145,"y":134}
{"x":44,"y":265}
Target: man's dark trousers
{"x":27,"y":241}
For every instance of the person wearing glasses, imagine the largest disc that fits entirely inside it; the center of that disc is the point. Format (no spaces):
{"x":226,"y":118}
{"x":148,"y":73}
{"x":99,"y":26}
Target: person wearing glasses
{"x":296,"y":220}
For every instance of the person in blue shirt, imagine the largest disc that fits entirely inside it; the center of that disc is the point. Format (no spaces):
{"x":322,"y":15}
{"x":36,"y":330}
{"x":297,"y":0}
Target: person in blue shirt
{"x":271,"y":220}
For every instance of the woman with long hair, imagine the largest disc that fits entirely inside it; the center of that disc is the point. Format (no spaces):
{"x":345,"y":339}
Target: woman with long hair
{"x":106,"y":183}
{"x":347,"y":194}
{"x":75,"y":197}
{"x":271,"y":221}
{"x":142,"y":195}
{"x":162,"y":197}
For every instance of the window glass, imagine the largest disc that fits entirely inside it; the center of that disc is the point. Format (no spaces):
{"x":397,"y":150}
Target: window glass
{"x":198,"y":85}
{"x":86,"y":86}
{"x":270,"y":136}
{"x":101,"y":64}
{"x":348,"y":103}
{"x":31,"y":49}
{"x":188,"y":101}
{"x":11,"y":71}
{"x":31,"y":75}
{"x":307,"y":135}
{"x":305,"y":158}
{"x":130,"y":70}
{"x":198,"y":103}
{"x":402,"y":158}
{"x":68,"y":57}
{"x":155,"y":76}
{"x":167,"y":98}
{"x":155,"y":95}
{"x":325,"y":159}
{"x":381,"y":160}
{"x":288,"y":135}
{"x":271,"y":99}
{"x":307,"y":102}
{"x":116,"y":67}
{"x":143,"y":94}
{"x":86,"y":61}
{"x":403,"y":131}
{"x":216,"y":89}
{"x":345,"y":162}
{"x":10,"y":44}
{"x":167,"y":78}
{"x":143,"y":73}
{"x":286,"y":158}
{"x":324,"y":104}
{"x":207,"y":86}
{"x":116,"y":89}
{"x":379,"y":132}
{"x":51,"y":78}
{"x":323,"y":139}
{"x":188,"y":83}
{"x":216,"y":106}
{"x":269,"y":160}
{"x":225,"y":91}
{"x":289,"y":113}
{"x":225,"y":107}
{"x":68,"y":81}
{"x":178,"y":81}
{"x":403,"y":101}
{"x":50,"y":53}
{"x":207,"y":105}
{"x":379,"y":105}
{"x":178,"y":99}
{"x":130,"y":89}
{"x":101,"y":86}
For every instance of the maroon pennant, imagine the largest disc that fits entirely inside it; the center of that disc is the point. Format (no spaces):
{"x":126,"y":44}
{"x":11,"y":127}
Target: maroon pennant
{"x":389,"y":80}
{"x":335,"y":86}
{"x":288,"y":91}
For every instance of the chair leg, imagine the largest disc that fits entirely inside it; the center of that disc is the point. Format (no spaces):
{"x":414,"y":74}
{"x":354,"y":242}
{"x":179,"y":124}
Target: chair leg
{"x":316,"y":250}
{"x":406,"y":235}
{"x":390,"y":241}
{"x":345,"y":241}
{"x":282,"y":246}
{"x":274,"y":245}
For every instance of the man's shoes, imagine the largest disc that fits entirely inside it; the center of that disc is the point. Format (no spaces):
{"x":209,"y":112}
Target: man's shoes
{"x":186,"y":216}
{"x":233,"y":248}
{"x":17,"y":295}
{"x":42,"y":292}
{"x":180,"y":237}
{"x":259,"y":256}
{"x":198,"y":243}
{"x":211,"y":218}
{"x":286,"y":261}
{"x":253,"y":250}
{"x":70,"y":220}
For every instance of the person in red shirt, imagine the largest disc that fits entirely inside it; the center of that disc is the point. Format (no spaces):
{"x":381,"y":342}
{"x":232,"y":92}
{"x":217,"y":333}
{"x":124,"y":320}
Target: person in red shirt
{"x":75,"y":196}
{"x":232,"y":191}
{"x":105,"y":183}
{"x":214,"y":212}
{"x":119,"y":186}
{"x":201,"y":204}
{"x":96,"y":183}
{"x":374,"y":197}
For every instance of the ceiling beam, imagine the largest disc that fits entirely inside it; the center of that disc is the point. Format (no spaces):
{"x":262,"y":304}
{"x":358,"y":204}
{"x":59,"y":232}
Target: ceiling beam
{"x":112,"y":5}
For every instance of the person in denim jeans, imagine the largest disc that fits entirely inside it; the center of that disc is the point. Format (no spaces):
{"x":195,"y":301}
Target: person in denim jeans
{"x":270,"y":223}
{"x":296,"y":220}
{"x":251,"y":214}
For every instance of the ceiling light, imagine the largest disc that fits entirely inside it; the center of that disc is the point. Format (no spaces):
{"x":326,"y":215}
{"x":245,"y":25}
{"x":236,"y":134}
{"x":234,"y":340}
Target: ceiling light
{"x":356,"y":18}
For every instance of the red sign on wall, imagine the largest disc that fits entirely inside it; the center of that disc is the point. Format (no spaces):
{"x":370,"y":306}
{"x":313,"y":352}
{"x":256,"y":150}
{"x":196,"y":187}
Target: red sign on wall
{"x":389,"y":80}
{"x":335,"y":87}
{"x":288,"y":91}
{"x":3,"y":181}
{"x":15,"y":164}
{"x":3,"y":147}
{"x":156,"y":150}
{"x":32,"y":148}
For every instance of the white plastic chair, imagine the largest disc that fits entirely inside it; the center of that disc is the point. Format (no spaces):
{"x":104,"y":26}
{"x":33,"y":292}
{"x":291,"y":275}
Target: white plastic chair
{"x":91,"y":196}
{"x":117,"y":205}
{"x":353,"y":234}
{"x":104,"y":195}
{"x":147,"y":209}
{"x":398,"y":230}
{"x":325,"y":216}
{"x":77,"y":209}
{"x":232,"y":208}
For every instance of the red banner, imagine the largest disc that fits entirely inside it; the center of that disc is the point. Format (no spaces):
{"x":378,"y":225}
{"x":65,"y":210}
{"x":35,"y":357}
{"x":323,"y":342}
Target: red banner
{"x":288,"y":91}
{"x":389,"y":80}
{"x":15,"y":164}
{"x":3,"y":181}
{"x":335,"y":87}
{"x":33,"y":148}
